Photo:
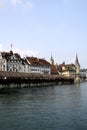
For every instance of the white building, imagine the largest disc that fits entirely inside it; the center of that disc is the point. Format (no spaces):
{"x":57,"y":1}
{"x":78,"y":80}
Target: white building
{"x":24,"y":66}
{"x":12,"y":61}
{"x":2,"y":63}
{"x":83,"y":73}
{"x":37,"y":65}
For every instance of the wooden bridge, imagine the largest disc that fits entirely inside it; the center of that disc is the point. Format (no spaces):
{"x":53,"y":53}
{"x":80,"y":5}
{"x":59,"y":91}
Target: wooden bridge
{"x":28,"y":78}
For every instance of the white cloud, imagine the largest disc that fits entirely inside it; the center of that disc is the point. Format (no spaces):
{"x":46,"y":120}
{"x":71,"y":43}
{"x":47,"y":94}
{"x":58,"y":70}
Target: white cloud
{"x":24,"y":53}
{"x":19,"y":3}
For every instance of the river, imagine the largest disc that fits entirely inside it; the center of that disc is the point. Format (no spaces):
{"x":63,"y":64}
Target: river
{"x":58,"y":107}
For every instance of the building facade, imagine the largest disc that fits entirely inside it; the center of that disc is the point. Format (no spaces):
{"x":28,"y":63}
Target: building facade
{"x":13,"y":61}
{"x":37,"y":65}
{"x":10,"y":61}
{"x":66,"y":70}
{"x":3,"y":65}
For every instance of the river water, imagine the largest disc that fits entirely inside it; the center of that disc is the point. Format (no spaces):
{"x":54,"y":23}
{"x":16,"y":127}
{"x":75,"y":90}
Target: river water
{"x":58,"y":107}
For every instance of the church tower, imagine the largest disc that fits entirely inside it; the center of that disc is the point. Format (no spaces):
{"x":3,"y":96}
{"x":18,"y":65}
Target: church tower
{"x":51,"y":60}
{"x":77,"y":65}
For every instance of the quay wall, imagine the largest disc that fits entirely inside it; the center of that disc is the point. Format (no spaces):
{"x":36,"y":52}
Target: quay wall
{"x":27,"y":79}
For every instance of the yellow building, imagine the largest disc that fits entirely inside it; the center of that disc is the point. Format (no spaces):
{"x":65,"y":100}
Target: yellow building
{"x":66,"y":70}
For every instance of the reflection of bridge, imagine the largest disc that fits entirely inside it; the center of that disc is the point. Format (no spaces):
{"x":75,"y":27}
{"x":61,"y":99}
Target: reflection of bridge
{"x":28,"y":78}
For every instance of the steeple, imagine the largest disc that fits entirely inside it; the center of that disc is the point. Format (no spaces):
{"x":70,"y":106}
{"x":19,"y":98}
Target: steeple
{"x":77,"y":65}
{"x":51,"y":60}
{"x":77,"y":61}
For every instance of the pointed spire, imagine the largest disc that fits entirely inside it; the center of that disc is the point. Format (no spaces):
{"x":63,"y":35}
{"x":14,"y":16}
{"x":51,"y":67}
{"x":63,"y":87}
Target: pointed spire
{"x":51,"y":59}
{"x":77,"y":61}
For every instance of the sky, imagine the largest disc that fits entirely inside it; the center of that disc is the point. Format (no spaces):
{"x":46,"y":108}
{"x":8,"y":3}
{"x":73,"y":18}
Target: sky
{"x":43,"y":28}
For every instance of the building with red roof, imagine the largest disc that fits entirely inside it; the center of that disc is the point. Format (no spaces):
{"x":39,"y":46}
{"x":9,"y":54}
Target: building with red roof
{"x":38,"y":65}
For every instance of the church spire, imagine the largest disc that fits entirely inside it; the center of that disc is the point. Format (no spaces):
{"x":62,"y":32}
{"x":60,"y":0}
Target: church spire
{"x":77,"y":61}
{"x":77,"y":65}
{"x":51,"y":60}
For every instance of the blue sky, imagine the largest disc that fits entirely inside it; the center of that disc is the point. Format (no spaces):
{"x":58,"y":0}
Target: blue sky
{"x":41,"y":27}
